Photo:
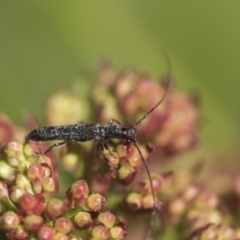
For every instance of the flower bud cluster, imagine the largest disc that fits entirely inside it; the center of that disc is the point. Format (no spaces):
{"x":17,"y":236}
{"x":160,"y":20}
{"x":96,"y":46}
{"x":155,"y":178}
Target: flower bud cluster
{"x":142,"y":197}
{"x":65,"y":108}
{"x":29,"y":208}
{"x":124,"y":161}
{"x":129,"y":94}
{"x":27,"y":172}
{"x":191,"y":205}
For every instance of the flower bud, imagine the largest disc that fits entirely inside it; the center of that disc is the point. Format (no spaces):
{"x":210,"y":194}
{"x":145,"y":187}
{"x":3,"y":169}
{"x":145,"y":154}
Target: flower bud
{"x":134,"y":201}
{"x":107,"y":219}
{"x":46,"y":233}
{"x":4,"y":197}
{"x":39,"y":207}
{"x":28,"y":150}
{"x":15,"y":193}
{"x":100,"y":232}
{"x":122,"y":151}
{"x":156,"y":182}
{"x":15,"y":150}
{"x":95,"y":202}
{"x":9,"y":220}
{"x":148,"y":202}
{"x":117,"y":232}
{"x":60,"y":236}
{"x":83,"y":220}
{"x":46,"y":162}
{"x":79,"y":189}
{"x":6,"y":171}
{"x":135,"y":160}
{"x":33,"y":222}
{"x":55,"y":208}
{"x":49,"y":185}
{"x":23,"y":183}
{"x":126,"y":173}
{"x":21,"y":232}
{"x":35,"y":170}
{"x":37,"y":185}
{"x":27,"y":203}
{"x":112,"y":159}
{"x":63,"y":225}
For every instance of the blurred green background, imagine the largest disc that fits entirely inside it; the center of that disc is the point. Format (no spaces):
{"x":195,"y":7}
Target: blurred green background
{"x":45,"y":44}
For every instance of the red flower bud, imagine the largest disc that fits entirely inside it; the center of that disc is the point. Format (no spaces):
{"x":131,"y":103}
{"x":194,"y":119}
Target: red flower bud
{"x":33,"y":222}
{"x":27,"y":203}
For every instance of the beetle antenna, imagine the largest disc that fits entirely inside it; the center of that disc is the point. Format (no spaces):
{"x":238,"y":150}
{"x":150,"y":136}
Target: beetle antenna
{"x":165,"y":93}
{"x":153,"y":195}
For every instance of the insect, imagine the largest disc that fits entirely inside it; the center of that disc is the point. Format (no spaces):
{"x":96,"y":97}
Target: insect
{"x":102,"y":134}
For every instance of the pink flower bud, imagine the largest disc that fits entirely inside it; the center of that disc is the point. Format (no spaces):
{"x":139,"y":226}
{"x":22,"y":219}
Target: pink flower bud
{"x":63,"y":225}
{"x":21,"y":233}
{"x":33,"y":222}
{"x":55,"y":208}
{"x":27,"y":203}
{"x":46,"y":233}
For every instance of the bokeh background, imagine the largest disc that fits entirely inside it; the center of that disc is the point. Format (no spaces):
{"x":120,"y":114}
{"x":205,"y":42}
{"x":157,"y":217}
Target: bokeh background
{"x":45,"y":44}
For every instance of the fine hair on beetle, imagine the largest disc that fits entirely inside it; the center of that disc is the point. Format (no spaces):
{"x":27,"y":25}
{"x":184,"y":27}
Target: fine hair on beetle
{"x":102,"y":134}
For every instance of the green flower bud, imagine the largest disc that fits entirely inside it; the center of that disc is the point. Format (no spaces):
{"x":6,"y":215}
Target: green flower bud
{"x":9,"y":220}
{"x":95,"y":202}
{"x":60,"y":236}
{"x":117,"y":232}
{"x":134,"y":201}
{"x":100,"y":232}
{"x":107,"y":219}
{"x":83,"y":220}
{"x":48,"y":185}
{"x":6,"y":171}
{"x":23,"y":183}
{"x":15,"y":193}
{"x":15,"y":150}
{"x":126,"y":173}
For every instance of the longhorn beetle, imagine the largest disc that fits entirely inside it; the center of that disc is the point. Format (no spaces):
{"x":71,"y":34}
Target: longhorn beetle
{"x":101,"y":134}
